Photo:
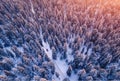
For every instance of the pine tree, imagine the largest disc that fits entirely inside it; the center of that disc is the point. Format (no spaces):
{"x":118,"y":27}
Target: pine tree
{"x":69,"y":71}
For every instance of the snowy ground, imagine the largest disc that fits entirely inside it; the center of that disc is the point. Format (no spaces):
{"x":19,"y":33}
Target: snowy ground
{"x":32,"y":8}
{"x":60,"y":65}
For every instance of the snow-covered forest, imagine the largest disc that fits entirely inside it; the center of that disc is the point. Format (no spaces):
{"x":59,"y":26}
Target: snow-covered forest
{"x":59,"y":40}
